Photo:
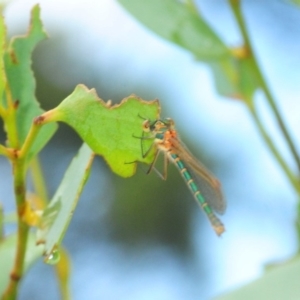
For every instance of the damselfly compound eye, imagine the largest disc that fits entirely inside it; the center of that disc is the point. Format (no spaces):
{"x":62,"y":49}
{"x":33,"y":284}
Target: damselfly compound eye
{"x":170,"y":123}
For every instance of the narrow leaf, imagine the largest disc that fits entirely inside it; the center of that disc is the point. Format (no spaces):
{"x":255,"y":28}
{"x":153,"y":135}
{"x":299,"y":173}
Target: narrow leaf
{"x":57,"y":215}
{"x":22,"y":83}
{"x":234,"y":77}
{"x":295,"y":2}
{"x":278,"y":283}
{"x":63,"y":272}
{"x":8,"y":248}
{"x":178,"y":23}
{"x":2,"y":49}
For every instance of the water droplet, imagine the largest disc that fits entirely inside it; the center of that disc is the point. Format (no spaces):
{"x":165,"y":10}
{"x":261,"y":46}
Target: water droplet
{"x":53,"y":258}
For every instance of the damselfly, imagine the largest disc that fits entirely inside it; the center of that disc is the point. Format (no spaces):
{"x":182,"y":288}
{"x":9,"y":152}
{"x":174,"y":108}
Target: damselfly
{"x":205,"y":188}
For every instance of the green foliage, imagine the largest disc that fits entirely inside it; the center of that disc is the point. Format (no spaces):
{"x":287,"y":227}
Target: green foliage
{"x":7,"y":254}
{"x":280,"y":282}
{"x":2,"y":49}
{"x":179,"y":24}
{"x":17,"y":59}
{"x":234,"y":77}
{"x":183,"y":25}
{"x":108,"y":130}
{"x":296,"y":2}
{"x":58,"y":213}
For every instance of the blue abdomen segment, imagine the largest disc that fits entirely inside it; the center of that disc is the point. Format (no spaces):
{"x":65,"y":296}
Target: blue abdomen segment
{"x":216,"y":223}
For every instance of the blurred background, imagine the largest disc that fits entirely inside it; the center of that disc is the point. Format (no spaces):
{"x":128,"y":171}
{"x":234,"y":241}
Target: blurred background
{"x":144,"y":238}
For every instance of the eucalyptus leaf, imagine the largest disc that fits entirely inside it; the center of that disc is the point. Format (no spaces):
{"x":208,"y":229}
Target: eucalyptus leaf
{"x":112,"y":131}
{"x":295,"y":2}
{"x":22,"y":84}
{"x":57,"y":215}
{"x":234,"y":77}
{"x":178,"y":23}
{"x":281,"y":282}
{"x":8,"y":248}
{"x":2,"y":49}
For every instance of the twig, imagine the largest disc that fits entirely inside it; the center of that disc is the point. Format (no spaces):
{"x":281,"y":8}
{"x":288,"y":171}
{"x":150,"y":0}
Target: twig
{"x":235,"y":5}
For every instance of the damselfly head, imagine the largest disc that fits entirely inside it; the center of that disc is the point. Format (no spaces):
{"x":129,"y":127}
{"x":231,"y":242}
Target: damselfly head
{"x":158,"y":126}
{"x":153,"y":126}
{"x":169,"y":123}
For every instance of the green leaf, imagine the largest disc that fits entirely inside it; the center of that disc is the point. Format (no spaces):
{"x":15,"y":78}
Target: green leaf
{"x":108,"y":130}
{"x":57,"y":215}
{"x":278,"y":283}
{"x":2,"y":49}
{"x":179,"y":24}
{"x":1,"y":222}
{"x":295,"y":2}
{"x":234,"y":77}
{"x":22,"y":83}
{"x":63,"y":274}
{"x":7,"y":253}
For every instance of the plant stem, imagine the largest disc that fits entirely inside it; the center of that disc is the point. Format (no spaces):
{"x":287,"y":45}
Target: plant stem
{"x":19,"y":171}
{"x":235,"y":5}
{"x":19,"y":162}
{"x":1,"y":222}
{"x":38,"y":180}
{"x":9,"y":118}
{"x":293,"y":179}
{"x":23,"y":229}
{"x":34,"y":130}
{"x":8,"y":152}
